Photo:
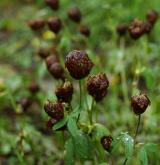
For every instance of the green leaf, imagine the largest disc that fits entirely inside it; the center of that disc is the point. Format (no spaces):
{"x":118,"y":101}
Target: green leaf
{"x":72,"y":126}
{"x":82,"y":146}
{"x":151,"y":148}
{"x":99,"y":131}
{"x":69,"y":153}
{"x":61,"y":123}
{"x":115,"y":145}
{"x":143,"y":156}
{"x":128,"y":143}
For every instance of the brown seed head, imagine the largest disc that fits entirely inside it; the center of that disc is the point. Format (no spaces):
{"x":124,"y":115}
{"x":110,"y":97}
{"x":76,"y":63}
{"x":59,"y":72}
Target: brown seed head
{"x":122,"y":29}
{"x":51,"y":60}
{"x":54,"y":24}
{"x":57,"y":71}
{"x":43,"y":53}
{"x":74,"y":14}
{"x":64,"y":93}
{"x":152,"y":17}
{"x":78,"y":64}
{"x":97,"y":86}
{"x":33,"y":87}
{"x":136,"y":29}
{"x":54,"y":4}
{"x":36,"y":24}
{"x":139,"y":103}
{"x":106,"y":142}
{"x":85,"y":31}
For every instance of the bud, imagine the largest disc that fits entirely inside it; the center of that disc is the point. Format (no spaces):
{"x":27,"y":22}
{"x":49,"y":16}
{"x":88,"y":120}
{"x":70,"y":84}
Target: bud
{"x":51,"y":60}
{"x":136,"y":29}
{"x":97,"y":86}
{"x":54,"y":4}
{"x":57,"y":71}
{"x":64,"y":93}
{"x":78,"y":64}
{"x":33,"y":87}
{"x":54,"y":110}
{"x":74,"y":14}
{"x":106,"y":142}
{"x":43,"y":53}
{"x":152,"y":17}
{"x":36,"y":24}
{"x":54,"y":24}
{"x":85,"y":31}
{"x":139,"y":103}
{"x":122,"y":29}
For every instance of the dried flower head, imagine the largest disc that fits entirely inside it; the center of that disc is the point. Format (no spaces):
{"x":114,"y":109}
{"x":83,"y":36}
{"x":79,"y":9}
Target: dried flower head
{"x":139,"y":103}
{"x":43,"y":53}
{"x":64,"y":92}
{"x":136,"y":29}
{"x":36,"y":24}
{"x":74,"y":14}
{"x":78,"y":64}
{"x":55,"y":24}
{"x":54,"y":110}
{"x":106,"y":142}
{"x":85,"y":31}
{"x":51,"y":60}
{"x":97,"y":86}
{"x":122,"y":29}
{"x":152,"y":17}
{"x":57,"y":70}
{"x":33,"y":87}
{"x":54,"y":4}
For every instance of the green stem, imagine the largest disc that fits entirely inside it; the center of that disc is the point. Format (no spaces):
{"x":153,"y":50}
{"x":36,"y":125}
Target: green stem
{"x":137,"y":128}
{"x":136,"y":133}
{"x":90,"y":112}
{"x":80,"y":94}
